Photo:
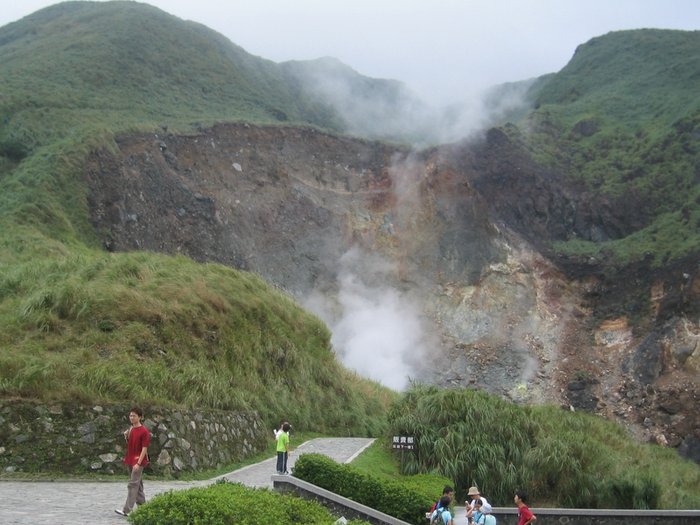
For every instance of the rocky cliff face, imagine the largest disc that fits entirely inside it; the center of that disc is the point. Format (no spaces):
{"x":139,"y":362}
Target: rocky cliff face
{"x":430,"y":264}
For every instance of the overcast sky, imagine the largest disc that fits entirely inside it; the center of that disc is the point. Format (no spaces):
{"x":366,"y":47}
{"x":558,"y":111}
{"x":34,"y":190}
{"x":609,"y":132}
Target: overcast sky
{"x":443,"y":49}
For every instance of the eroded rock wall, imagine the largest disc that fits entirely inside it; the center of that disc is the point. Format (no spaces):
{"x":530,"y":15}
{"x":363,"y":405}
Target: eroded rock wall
{"x":458,"y":231}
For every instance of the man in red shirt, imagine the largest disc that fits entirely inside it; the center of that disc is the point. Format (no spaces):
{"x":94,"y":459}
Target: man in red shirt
{"x":525,"y":515}
{"x":447,"y":491}
{"x":138,"y":439}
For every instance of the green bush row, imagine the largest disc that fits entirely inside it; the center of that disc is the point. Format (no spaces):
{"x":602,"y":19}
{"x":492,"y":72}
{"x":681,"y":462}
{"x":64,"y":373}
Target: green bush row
{"x":390,"y":497}
{"x":224,"y":503}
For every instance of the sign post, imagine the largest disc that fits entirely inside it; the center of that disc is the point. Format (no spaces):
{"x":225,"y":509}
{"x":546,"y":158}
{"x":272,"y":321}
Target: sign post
{"x":403,"y":443}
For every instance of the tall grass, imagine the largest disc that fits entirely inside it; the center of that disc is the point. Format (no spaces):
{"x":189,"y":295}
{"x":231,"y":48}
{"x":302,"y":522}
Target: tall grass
{"x":561,"y":458}
{"x":103,"y":327}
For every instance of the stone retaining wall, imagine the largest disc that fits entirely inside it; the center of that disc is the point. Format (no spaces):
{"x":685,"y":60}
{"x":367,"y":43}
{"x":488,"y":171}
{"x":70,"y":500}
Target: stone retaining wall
{"x":68,"y":438}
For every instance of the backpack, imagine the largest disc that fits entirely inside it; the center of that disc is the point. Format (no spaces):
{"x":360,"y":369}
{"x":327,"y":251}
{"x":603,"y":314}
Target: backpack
{"x":436,"y":516}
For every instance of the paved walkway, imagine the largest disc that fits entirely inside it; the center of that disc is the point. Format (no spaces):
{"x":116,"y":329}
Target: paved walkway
{"x":93,"y":503}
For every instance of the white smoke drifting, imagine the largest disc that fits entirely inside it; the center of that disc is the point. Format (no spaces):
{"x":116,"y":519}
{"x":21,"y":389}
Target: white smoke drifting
{"x":378,"y":331}
{"x":387,"y":109}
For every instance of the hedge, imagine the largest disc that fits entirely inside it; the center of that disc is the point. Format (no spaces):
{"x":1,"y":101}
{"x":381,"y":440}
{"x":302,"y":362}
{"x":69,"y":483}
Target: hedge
{"x":390,"y":497}
{"x":226,"y":503}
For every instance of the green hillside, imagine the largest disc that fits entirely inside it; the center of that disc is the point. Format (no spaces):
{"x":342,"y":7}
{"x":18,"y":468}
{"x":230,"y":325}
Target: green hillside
{"x":74,"y":74}
{"x":84,"y":325}
{"x":622,"y":122}
{"x":641,"y":78}
{"x":125,"y":60}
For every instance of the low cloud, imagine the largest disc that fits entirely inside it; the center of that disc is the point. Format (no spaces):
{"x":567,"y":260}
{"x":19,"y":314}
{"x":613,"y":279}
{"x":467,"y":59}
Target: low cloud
{"x":388,"y":109}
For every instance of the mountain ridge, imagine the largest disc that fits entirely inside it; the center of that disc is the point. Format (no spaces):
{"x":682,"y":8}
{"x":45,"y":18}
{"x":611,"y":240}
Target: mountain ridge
{"x":134,"y":57}
{"x":634,"y":64}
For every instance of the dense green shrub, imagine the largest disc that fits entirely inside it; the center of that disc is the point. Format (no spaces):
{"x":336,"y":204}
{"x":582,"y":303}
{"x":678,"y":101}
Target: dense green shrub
{"x":632,"y":492}
{"x":561,"y":458}
{"x":390,"y":497}
{"x":226,"y":503}
{"x":13,"y":149}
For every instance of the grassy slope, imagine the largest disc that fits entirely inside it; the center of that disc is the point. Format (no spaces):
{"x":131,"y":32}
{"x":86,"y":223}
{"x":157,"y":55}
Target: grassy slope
{"x":80,"y":324}
{"x":638,"y":89}
{"x":372,"y":108}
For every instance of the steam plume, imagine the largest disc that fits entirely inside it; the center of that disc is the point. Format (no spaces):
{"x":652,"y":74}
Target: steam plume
{"x":378,"y":331}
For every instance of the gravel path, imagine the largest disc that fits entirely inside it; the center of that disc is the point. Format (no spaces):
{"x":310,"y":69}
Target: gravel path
{"x":66,"y":502}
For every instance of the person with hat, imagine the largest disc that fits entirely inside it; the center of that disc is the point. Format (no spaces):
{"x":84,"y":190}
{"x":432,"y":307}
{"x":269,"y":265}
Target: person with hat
{"x":474,"y":495}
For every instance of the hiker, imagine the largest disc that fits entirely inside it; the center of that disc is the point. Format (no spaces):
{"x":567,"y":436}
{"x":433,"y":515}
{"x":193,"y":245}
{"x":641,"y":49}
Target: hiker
{"x":283,"y":448}
{"x":477,"y":514}
{"x":277,"y":431}
{"x":446,"y":491}
{"x":138,"y":438}
{"x":442,"y":515}
{"x":488,"y":518}
{"x":525,"y":515}
{"x":473,"y":494}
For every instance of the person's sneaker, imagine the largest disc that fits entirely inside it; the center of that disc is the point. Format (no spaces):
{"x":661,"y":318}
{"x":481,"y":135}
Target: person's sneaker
{"x":121,"y":512}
